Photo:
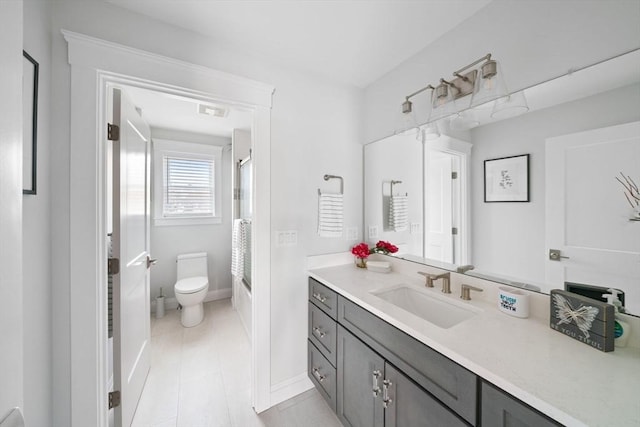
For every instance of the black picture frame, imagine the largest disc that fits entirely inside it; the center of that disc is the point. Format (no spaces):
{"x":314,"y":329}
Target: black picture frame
{"x":29,"y":123}
{"x":506,"y":179}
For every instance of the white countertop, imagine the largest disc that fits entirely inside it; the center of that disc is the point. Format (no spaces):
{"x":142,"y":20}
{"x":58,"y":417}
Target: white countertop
{"x":561,"y":377}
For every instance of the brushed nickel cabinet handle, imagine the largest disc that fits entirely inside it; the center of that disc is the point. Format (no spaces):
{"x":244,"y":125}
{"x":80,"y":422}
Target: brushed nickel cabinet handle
{"x":319,"y":332}
{"x":319,"y":297}
{"x":376,"y":389}
{"x":318,"y":375}
{"x":386,"y":400}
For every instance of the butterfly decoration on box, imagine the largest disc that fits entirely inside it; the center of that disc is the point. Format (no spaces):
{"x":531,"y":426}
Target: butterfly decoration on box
{"x":583,"y":316}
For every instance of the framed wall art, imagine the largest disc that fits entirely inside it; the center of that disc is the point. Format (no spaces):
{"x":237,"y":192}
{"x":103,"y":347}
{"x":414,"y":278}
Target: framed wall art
{"x":507,"y":179}
{"x":29,"y":123}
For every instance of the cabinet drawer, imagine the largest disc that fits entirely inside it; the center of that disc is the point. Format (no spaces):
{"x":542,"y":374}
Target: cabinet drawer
{"x":322,"y":374}
{"x":322,"y":332}
{"x":323,"y":297}
{"x":500,"y":409}
{"x":449,"y":382}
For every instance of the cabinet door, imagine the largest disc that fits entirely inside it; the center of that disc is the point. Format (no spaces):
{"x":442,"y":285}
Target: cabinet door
{"x":500,"y":409}
{"x":410,"y":406}
{"x":358,"y":405}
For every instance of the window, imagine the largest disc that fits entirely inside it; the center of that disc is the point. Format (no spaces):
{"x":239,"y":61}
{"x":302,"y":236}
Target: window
{"x":187,"y":183}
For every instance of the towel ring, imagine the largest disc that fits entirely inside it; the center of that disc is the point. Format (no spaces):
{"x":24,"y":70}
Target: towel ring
{"x":328,"y":177}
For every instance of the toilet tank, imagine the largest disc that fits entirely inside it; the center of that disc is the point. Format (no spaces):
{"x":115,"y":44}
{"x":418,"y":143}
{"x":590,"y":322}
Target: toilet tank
{"x":192,"y":265}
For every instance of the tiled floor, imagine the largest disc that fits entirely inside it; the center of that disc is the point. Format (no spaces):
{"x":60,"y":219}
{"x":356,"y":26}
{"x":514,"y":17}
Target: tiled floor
{"x":200,"y":377}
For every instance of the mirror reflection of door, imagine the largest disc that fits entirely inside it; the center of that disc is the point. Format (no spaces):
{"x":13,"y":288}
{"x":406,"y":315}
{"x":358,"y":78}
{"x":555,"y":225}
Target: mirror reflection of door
{"x":439,"y":212}
{"x":587,"y":215}
{"x":446,"y":232}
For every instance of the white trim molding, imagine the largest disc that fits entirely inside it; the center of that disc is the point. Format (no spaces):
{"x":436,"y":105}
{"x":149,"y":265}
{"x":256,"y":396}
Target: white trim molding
{"x":95,"y":67}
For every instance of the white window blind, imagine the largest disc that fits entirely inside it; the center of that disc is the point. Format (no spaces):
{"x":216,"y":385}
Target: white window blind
{"x":189,"y":187}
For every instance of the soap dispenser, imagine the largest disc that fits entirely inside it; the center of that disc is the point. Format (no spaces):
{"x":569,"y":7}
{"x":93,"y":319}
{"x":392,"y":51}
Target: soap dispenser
{"x":621,"y":330}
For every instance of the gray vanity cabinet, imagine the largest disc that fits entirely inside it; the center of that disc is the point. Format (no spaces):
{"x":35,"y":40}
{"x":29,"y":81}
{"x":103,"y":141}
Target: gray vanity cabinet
{"x":500,"y":409}
{"x":321,"y":345}
{"x":360,"y":375}
{"x":373,"y":393}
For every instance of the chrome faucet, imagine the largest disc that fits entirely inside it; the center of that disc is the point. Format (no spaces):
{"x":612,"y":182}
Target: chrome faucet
{"x":464,"y":268}
{"x":430,"y":278}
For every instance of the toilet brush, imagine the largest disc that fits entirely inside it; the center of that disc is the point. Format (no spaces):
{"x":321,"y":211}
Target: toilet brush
{"x":160,"y":305}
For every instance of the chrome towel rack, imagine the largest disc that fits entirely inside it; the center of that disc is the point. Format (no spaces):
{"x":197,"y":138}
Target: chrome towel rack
{"x":327,"y":177}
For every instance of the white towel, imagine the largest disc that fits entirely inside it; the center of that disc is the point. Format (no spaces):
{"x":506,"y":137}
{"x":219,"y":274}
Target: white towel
{"x":398,"y":212}
{"x":330,"y":214}
{"x":238,"y":248}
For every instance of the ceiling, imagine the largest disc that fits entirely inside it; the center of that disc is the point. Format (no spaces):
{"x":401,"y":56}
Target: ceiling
{"x":353,"y":42}
{"x":349,"y":41}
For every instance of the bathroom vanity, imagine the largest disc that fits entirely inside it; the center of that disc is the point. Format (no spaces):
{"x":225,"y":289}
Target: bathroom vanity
{"x":378,"y":364}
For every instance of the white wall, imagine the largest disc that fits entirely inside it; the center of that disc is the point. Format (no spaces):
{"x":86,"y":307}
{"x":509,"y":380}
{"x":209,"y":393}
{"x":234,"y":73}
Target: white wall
{"x":36,"y":232}
{"x":11,"y":292}
{"x":508,"y":238}
{"x":214,"y":239}
{"x":316,"y":129}
{"x":533,"y":40}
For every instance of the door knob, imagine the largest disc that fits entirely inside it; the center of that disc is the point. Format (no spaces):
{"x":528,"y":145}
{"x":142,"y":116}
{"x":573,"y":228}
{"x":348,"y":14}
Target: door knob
{"x":554,"y":255}
{"x":150,"y":261}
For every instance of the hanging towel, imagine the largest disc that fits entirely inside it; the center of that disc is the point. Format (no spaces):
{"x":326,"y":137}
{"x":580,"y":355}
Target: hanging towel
{"x":330,"y":215}
{"x":238,"y":249}
{"x":398,"y":212}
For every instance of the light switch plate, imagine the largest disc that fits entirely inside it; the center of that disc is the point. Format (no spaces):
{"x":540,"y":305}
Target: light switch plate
{"x":373,"y":232}
{"x":352,"y":233}
{"x":415,"y":227}
{"x":286,"y":238}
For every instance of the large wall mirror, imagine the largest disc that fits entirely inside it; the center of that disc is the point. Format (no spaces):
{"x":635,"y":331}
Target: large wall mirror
{"x":581,"y":132}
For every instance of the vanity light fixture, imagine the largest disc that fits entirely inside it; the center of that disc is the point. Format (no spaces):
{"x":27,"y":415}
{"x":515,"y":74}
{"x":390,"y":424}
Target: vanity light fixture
{"x":449,"y":98}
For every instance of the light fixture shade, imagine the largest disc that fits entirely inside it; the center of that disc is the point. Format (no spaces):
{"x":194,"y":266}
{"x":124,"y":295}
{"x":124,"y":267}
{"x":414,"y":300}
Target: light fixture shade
{"x":442,"y":104}
{"x":490,"y":85}
{"x":431,"y":131}
{"x":406,"y":122}
{"x":464,"y":120}
{"x":510,"y":106}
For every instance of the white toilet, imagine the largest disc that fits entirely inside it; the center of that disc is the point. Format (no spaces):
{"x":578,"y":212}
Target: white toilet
{"x":192,"y":287}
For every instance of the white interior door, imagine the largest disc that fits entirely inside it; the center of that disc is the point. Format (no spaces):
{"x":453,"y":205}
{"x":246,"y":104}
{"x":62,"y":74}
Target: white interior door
{"x":131,"y":204}
{"x":438,"y":207}
{"x":587,"y":215}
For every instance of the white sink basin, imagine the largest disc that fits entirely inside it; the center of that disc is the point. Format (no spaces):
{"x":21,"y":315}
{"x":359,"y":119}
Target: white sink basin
{"x":433,"y":308}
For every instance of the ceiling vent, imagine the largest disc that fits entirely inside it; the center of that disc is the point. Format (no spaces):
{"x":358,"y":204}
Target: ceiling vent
{"x":212,"y":110}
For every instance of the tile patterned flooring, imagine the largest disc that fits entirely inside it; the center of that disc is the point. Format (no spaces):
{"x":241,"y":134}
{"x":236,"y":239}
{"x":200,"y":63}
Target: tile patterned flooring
{"x":200,"y":377}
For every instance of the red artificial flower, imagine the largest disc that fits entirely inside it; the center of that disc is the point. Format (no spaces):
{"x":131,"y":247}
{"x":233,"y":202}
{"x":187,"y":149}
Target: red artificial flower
{"x":386,"y":247}
{"x":360,"y":250}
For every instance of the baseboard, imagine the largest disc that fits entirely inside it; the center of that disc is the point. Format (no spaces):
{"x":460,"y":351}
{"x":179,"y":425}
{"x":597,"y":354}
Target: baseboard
{"x":218,"y":294}
{"x":290,"y":388}
{"x":213,"y":295}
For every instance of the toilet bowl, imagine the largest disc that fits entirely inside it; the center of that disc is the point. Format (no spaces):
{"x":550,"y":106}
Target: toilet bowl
{"x":192,"y":287}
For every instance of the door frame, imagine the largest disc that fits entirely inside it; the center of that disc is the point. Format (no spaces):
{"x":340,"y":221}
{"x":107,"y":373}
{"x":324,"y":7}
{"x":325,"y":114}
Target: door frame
{"x":95,"y":64}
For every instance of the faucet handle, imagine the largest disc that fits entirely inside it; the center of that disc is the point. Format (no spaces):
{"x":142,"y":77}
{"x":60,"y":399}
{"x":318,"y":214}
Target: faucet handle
{"x":429,"y":278}
{"x":465,"y":291}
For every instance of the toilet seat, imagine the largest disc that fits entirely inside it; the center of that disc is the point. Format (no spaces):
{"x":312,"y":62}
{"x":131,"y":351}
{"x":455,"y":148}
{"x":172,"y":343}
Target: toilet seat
{"x":191,"y":285}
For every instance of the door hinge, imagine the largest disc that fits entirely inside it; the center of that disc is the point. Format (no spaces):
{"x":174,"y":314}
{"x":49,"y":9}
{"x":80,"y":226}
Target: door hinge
{"x":454,"y":230}
{"x":113,"y":266}
{"x":113,"y":132}
{"x":454,"y":175}
{"x":114,"y":399}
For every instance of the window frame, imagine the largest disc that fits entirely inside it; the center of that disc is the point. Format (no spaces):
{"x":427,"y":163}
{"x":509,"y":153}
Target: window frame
{"x":187,"y":150}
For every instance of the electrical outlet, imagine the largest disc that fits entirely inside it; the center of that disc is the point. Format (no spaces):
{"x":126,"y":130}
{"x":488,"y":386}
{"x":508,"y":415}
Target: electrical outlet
{"x":373,"y":232}
{"x":415,"y":228}
{"x":352,"y":233}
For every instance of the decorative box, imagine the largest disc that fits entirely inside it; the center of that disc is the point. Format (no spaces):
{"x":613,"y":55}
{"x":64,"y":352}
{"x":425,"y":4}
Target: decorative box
{"x":584,"y":319}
